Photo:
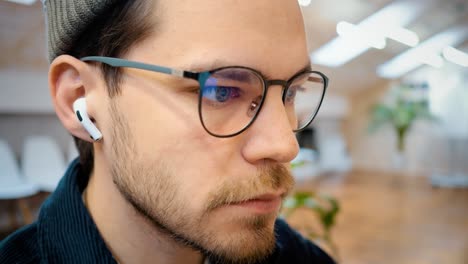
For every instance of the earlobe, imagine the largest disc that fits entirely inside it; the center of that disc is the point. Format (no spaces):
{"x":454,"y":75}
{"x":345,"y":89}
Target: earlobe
{"x":67,"y":85}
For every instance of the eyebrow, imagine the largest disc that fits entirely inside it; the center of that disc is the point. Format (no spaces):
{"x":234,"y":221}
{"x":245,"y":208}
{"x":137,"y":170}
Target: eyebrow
{"x":216,"y":64}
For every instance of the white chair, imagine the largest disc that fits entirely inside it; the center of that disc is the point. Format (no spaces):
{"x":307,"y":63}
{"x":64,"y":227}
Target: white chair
{"x":43,"y":162}
{"x":13,"y":187}
{"x":12,"y":184}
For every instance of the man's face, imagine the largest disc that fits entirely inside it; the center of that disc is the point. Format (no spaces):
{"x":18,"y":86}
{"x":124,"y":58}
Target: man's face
{"x":188,"y":183}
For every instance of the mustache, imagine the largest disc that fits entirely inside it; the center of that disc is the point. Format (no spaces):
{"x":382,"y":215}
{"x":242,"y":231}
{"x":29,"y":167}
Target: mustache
{"x":269,"y":178}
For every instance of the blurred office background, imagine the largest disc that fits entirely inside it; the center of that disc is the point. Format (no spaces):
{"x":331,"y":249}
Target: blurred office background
{"x":390,"y":142}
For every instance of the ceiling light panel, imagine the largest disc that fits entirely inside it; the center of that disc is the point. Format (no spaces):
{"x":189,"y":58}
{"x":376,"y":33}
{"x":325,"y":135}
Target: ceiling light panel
{"x":391,"y":19}
{"x":455,"y":56}
{"x":427,"y":52}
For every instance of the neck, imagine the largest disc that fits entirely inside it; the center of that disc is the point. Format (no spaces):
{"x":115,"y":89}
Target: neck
{"x":129,"y":236}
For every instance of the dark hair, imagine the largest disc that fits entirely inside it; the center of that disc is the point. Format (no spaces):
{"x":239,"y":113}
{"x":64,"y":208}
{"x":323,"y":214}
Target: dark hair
{"x":112,"y":35}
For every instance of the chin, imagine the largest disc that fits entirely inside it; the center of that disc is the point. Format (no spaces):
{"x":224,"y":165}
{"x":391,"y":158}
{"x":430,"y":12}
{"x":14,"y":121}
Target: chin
{"x":243,"y":239}
{"x":243,"y":247}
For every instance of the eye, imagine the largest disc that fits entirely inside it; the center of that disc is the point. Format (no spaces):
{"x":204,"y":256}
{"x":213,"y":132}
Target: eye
{"x":291,"y":94}
{"x":223,"y":93}
{"x":220,"y":94}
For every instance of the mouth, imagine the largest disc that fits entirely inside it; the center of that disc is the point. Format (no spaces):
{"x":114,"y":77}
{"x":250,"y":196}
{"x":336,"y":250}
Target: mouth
{"x":262,"y":204}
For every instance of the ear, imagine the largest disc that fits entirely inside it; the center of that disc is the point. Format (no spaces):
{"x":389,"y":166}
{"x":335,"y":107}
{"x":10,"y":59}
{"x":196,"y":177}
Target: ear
{"x":70,"y":79}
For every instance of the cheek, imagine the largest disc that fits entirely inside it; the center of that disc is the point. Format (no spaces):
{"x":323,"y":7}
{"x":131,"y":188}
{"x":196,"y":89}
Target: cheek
{"x":158,"y":119}
{"x":163,"y":129}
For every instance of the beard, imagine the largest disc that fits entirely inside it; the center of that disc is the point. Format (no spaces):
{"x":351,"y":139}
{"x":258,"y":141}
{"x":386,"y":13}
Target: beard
{"x":153,"y":189}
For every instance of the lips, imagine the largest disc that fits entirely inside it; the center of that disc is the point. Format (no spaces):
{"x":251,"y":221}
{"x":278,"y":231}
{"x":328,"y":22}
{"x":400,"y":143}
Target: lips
{"x":262,"y":204}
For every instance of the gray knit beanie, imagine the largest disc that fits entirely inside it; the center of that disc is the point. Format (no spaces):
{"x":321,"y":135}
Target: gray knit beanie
{"x":66,"y":20}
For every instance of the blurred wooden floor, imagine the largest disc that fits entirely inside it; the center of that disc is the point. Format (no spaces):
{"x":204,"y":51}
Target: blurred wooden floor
{"x":392,"y":218}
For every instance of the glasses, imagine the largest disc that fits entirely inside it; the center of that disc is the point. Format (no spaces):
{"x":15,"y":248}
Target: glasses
{"x":230,"y":98}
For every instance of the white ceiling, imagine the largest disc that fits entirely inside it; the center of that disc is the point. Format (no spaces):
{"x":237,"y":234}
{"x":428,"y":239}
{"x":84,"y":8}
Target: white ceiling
{"x":22,"y":36}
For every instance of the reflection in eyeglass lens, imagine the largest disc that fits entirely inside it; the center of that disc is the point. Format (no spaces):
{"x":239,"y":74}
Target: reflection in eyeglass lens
{"x":231,"y":98}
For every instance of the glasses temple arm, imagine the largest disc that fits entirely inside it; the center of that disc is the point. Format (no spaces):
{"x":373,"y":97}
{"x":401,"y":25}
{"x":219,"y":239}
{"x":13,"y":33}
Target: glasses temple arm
{"x":115,"y":62}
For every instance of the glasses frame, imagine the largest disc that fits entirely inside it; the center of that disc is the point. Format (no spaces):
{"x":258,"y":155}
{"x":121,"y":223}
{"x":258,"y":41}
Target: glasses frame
{"x":201,"y":78}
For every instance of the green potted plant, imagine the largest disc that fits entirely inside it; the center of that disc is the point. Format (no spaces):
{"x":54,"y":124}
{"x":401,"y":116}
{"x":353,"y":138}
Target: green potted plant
{"x":324,"y":208}
{"x":401,"y":107}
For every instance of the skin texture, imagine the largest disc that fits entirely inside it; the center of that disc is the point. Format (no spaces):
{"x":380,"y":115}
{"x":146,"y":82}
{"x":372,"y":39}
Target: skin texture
{"x":162,"y":188}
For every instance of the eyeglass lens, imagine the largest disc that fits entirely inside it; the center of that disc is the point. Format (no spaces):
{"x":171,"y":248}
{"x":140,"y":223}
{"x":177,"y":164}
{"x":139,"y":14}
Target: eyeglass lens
{"x":230,"y":99}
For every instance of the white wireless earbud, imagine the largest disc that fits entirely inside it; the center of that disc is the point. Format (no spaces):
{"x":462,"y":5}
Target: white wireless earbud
{"x":79,"y":106}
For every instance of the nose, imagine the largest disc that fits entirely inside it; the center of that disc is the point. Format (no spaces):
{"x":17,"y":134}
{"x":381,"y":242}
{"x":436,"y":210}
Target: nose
{"x":270,"y":137}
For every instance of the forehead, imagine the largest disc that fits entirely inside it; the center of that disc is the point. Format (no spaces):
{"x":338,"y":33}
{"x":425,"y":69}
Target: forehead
{"x":259,"y":34}
{"x":232,"y":14}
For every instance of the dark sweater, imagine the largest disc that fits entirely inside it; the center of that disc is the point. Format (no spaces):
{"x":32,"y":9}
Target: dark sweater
{"x":66,"y":233}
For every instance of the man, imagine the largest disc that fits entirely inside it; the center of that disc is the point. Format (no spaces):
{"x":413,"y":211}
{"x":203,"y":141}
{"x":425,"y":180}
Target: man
{"x":184,"y":141}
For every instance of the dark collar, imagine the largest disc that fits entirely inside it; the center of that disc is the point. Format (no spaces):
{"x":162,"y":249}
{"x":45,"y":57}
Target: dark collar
{"x":66,"y":231}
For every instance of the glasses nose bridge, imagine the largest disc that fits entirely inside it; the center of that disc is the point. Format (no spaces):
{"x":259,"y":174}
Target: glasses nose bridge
{"x":281,"y":83}
{"x":284,"y":85}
